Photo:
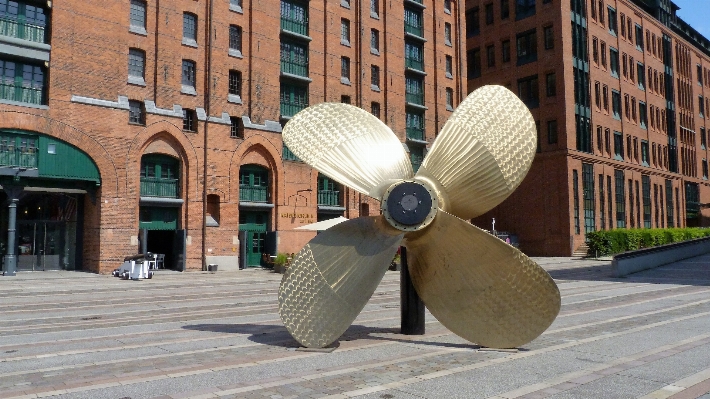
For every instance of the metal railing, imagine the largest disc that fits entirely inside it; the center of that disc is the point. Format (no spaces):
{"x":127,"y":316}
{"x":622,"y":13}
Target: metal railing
{"x":414,"y":64}
{"x":416,"y":30}
{"x":329,"y":197}
{"x":294,"y":68}
{"x":415,"y":133}
{"x":21,"y":94}
{"x":18,"y":157}
{"x":299,"y":26}
{"x":13,"y":28}
{"x":415,"y":98}
{"x":157,"y":187}
{"x":291,"y":108}
{"x":252,"y":194}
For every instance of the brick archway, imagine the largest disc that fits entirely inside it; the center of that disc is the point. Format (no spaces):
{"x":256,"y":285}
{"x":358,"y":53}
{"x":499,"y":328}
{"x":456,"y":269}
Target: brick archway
{"x":256,"y":150}
{"x":67,"y":133}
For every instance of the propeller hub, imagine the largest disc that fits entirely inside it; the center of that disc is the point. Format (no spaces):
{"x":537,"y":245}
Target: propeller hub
{"x":410,"y":205}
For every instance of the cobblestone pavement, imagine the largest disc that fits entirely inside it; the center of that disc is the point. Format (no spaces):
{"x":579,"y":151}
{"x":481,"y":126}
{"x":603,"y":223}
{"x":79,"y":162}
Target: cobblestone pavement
{"x":200,"y":335}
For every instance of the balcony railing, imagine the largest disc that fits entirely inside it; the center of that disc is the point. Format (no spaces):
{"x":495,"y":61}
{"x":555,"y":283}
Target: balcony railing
{"x":291,"y":108}
{"x":21,"y":94}
{"x":414,"y":64}
{"x":415,"y":98}
{"x":157,"y":187}
{"x":328,"y":197}
{"x":415,"y":133}
{"x":294,"y":25}
{"x":252,"y":194}
{"x":18,"y":157}
{"x":21,"y":30}
{"x":416,"y":30}
{"x":294,"y":68}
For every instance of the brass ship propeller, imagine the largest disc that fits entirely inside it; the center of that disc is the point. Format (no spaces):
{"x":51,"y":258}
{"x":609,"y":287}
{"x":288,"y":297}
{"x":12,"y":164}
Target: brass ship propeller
{"x":477,"y":286}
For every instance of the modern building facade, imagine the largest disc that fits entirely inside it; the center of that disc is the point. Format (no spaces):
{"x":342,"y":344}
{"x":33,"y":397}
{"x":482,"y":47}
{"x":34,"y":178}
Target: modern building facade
{"x":145,"y":124}
{"x":620,"y":93}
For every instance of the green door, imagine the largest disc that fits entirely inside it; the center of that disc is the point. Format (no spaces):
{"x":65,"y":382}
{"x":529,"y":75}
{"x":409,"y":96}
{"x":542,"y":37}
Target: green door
{"x":254,"y":223}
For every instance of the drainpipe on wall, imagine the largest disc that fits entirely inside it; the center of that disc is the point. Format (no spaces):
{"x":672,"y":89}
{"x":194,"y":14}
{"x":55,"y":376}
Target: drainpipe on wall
{"x":208,"y":82}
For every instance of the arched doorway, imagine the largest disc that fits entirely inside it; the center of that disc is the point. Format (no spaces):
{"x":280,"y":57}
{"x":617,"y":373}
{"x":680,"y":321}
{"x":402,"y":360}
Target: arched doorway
{"x":160,"y":205}
{"x":255,"y":205}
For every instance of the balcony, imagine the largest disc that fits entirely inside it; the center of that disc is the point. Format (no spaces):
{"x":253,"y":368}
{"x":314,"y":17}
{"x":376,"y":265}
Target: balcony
{"x":252,"y":193}
{"x":416,"y":30}
{"x":291,"y":108}
{"x":294,"y":68}
{"x":295,"y":25}
{"x":415,"y":133}
{"x":18,"y":157}
{"x":415,"y":98}
{"x":20,"y":30}
{"x":157,"y":187}
{"x":414,"y":64}
{"x":328,"y":197}
{"x":29,"y":95}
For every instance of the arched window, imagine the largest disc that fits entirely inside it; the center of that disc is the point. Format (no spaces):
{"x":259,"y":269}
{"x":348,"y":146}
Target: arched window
{"x":253,"y":184}
{"x":160,"y":176}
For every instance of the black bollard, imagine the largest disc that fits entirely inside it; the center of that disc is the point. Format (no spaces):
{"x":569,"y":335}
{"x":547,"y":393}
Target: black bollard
{"x":411,"y":305}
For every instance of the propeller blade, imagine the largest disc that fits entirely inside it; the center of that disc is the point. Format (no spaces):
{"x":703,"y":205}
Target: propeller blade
{"x":349,"y":145}
{"x":483,"y":152}
{"x":479,"y":287}
{"x":332,"y":278}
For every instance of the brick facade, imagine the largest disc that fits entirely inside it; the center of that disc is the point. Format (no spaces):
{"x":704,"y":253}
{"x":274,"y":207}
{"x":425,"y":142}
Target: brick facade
{"x":545,"y":211}
{"x":88,"y":84}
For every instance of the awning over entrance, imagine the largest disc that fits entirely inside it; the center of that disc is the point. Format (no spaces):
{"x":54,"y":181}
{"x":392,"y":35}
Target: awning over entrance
{"x":324,"y":225}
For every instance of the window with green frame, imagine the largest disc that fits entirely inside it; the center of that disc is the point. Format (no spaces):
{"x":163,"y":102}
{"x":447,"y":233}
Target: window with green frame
{"x":413,"y":21}
{"x":294,"y":16}
{"x":416,"y":156}
{"x":414,"y":90}
{"x":328,"y":191}
{"x":23,"y":21}
{"x":253,"y":184}
{"x":24,"y":83}
{"x":294,"y":98}
{"x":18,"y":151}
{"x":620,"y":199}
{"x":415,"y":125}
{"x":294,"y":58}
{"x":413,"y":55}
{"x":287,"y":155}
{"x":160,"y":176}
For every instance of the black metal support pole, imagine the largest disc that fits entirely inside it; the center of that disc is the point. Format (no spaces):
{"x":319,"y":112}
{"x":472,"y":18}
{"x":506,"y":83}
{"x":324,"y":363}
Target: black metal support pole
{"x":10,"y":257}
{"x":411,"y":305}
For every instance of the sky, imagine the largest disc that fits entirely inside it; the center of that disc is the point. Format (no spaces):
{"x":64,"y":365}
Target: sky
{"x":696,"y":13}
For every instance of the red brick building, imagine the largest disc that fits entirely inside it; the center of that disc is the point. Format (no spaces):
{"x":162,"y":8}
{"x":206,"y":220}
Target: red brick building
{"x":620,"y":90}
{"x":123,"y":117}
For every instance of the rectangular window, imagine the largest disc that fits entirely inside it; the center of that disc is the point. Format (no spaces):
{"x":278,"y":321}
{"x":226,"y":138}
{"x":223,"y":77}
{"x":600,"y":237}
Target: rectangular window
{"x":449,"y":67}
{"x":620,"y":199}
{"x":669,"y":198}
{"x":705,"y":169}
{"x":293,"y":99}
{"x":618,"y":146}
{"x":375,"y":41}
{"x":624,"y":69}
{"x":593,"y":9}
{"x":641,"y":76}
{"x":345,"y":99}
{"x":189,"y":120}
{"x":528,"y":91}
{"x":602,"y":218}
{"x":548,"y":37}
{"x":375,"y":109}
{"x":605,"y":97}
{"x":235,"y":38}
{"x":415,"y":125}
{"x":137,"y":16}
{"x":294,"y":58}
{"x":345,"y":32}
{"x":22,"y":82}
{"x":616,"y":104}
{"x":646,"y":190}
{"x":643,"y":117}
{"x":526,"y":43}
{"x":413,"y":55}
{"x":136,"y":112}
{"x":575,"y":196}
{"x":595,"y":50}
{"x":491,"y":56}
{"x":375,"y":8}
{"x":603,"y":53}
{"x":552,"y":132}
{"x":701,"y":106}
{"x":504,"y":9}
{"x":703,"y":138}
{"x":375,"y":77}
{"x":189,"y":27}
{"x":612,"y":20}
{"x":136,"y":63}
{"x":699,"y":72}
{"x":588,"y":197}
{"x":550,"y":85}
{"x":235,"y":82}
{"x":473,"y":59}
{"x":345,"y":70}
{"x":614,"y":62}
{"x":188,"y":73}
{"x":489,"y":14}
{"x":447,"y":33}
{"x":449,"y":99}
{"x":631,"y":69}
{"x":473,"y":23}
{"x":631,"y":204}
{"x":623,"y":25}
{"x":639,"y":38}
{"x":447,"y":6}
{"x":505,"y":53}
{"x":524,"y":9}
{"x":644,"y":152}
{"x":234,"y":130}
{"x":598,"y":95}
{"x":414,"y":90}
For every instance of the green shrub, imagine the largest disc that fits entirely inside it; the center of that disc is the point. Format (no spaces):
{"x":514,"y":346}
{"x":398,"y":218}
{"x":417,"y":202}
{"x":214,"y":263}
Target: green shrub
{"x":610,"y":242}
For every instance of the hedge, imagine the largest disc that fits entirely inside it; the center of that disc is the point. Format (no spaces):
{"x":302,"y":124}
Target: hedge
{"x":609,"y":242}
